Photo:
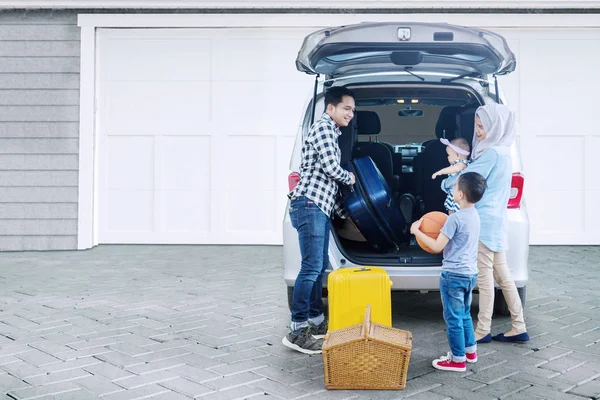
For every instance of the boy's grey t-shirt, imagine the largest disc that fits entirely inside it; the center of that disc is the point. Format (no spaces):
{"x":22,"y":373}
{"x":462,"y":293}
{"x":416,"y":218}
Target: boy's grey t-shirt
{"x":460,"y":254}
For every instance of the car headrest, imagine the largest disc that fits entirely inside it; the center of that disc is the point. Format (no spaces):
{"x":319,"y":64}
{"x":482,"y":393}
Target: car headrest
{"x":446,"y":123}
{"x":368,"y":122}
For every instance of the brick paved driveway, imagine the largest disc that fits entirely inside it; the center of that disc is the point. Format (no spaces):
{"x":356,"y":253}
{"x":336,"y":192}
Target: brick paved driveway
{"x":180,"y":322}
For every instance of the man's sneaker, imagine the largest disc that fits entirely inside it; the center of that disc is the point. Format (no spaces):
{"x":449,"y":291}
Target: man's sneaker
{"x":471,"y":357}
{"x":445,"y":364}
{"x":319,"y":331}
{"x":303,"y":341}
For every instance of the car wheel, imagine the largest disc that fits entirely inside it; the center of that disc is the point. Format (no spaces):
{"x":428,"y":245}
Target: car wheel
{"x":290,"y":295}
{"x":500,"y":306}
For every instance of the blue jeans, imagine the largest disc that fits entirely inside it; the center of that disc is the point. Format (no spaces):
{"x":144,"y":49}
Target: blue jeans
{"x":457,"y":293}
{"x":313,"y":228}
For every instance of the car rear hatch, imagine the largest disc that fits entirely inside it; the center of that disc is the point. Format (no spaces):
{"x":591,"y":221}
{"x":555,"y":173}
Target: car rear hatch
{"x":394,"y":47}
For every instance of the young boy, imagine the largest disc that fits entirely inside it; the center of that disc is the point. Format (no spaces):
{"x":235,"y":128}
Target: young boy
{"x":458,"y":151}
{"x":458,"y":238}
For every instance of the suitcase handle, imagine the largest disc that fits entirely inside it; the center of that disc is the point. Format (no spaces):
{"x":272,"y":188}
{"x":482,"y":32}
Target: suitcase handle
{"x":362,"y":269}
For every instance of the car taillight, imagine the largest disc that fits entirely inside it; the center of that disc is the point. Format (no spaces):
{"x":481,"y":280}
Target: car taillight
{"x":516,"y":190}
{"x":293,"y":180}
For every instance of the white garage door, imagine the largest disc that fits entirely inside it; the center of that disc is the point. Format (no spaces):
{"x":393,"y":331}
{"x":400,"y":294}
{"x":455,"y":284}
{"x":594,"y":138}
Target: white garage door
{"x":196,"y":129}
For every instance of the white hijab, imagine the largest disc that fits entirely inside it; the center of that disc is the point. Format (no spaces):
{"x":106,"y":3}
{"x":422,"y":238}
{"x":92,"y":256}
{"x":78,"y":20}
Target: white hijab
{"x":499,"y":125}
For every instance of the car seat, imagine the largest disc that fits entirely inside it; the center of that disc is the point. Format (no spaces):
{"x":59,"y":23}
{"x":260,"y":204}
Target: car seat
{"x":368,"y":123}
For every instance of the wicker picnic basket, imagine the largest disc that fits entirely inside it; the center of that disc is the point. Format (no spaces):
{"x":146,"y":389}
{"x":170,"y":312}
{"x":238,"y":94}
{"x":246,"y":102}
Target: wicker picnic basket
{"x":368,"y":356}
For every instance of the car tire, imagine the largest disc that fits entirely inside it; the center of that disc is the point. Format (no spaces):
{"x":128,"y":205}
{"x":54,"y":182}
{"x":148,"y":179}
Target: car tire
{"x":500,"y":306}
{"x":290,"y":296}
{"x":290,"y":293}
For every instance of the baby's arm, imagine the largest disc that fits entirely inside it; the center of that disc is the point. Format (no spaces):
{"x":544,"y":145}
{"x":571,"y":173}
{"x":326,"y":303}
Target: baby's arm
{"x":453,"y":169}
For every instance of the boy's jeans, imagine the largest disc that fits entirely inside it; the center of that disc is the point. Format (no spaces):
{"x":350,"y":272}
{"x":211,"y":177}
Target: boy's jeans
{"x":456,"y":291}
{"x":313,"y":228}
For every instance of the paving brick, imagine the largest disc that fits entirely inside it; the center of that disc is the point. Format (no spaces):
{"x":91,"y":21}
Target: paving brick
{"x":229,"y":382}
{"x":63,"y":376}
{"x":120,"y":359}
{"x":73,"y":364}
{"x":502,"y":388}
{"x":274,"y":388}
{"x":54,"y":389}
{"x":9,"y":382}
{"x":50,"y":347}
{"x":195,"y":374}
{"x":8,"y":350}
{"x":38,"y":358}
{"x":541,"y":377}
{"x":138,"y":393}
{"x":170,"y":395}
{"x":429,"y":396}
{"x":206,"y":351}
{"x":23,"y":370}
{"x":135,"y":381}
{"x":282,"y":376}
{"x":160,"y":365}
{"x":163,"y":354}
{"x":129,"y":349}
{"x":108,"y":371}
{"x":98,"y":385}
{"x":590,"y":389}
{"x":186,"y":387}
{"x":89,"y":352}
{"x":547,"y":393}
{"x":248,"y":365}
{"x":239,"y":393}
{"x":578,"y":375}
{"x":74,"y":395}
{"x":8,"y":360}
{"x":458,"y":392}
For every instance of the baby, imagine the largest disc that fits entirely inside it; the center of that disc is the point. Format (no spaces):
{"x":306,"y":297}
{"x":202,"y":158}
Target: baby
{"x":458,"y":150}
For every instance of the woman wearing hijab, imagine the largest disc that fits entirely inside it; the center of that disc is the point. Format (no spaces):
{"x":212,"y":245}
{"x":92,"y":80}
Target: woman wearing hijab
{"x":494,"y":134}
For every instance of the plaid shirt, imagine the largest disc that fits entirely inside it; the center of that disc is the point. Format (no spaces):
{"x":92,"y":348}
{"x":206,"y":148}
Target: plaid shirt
{"x":320,"y":169}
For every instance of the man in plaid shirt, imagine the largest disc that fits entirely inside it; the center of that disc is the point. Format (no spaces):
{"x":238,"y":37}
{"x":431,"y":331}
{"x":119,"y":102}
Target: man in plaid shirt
{"x":312,"y":203}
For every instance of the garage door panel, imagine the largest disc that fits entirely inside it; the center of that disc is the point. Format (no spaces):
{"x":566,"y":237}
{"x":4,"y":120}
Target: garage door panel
{"x":185,"y":211}
{"x":548,"y":218}
{"x":130,"y":210}
{"x":130,"y":162}
{"x":166,"y":108}
{"x":238,"y":111}
{"x":185,"y":162}
{"x":250,"y":59}
{"x":251,"y":211}
{"x":149,"y":59}
{"x":592,"y":166}
{"x":512,"y":93}
{"x":552,"y":170}
{"x":563,"y":60}
{"x":558,"y":108}
{"x":251,"y":164}
{"x":592,"y":216}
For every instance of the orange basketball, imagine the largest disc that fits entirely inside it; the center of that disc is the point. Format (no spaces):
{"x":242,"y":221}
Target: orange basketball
{"x":431,"y":225}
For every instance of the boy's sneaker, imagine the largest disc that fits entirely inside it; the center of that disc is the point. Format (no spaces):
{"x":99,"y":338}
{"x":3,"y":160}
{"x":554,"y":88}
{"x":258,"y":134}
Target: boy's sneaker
{"x":303,"y":341}
{"x":445,"y":364}
{"x":319,"y":331}
{"x":471,"y":357}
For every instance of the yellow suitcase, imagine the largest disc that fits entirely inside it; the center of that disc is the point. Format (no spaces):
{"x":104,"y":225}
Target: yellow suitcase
{"x":351,"y":289}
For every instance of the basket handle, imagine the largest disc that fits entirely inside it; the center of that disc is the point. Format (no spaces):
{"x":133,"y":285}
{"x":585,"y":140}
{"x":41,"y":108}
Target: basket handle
{"x":367,"y":323}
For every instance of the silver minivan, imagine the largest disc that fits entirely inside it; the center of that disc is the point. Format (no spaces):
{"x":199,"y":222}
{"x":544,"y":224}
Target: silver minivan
{"x":414,"y":83}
